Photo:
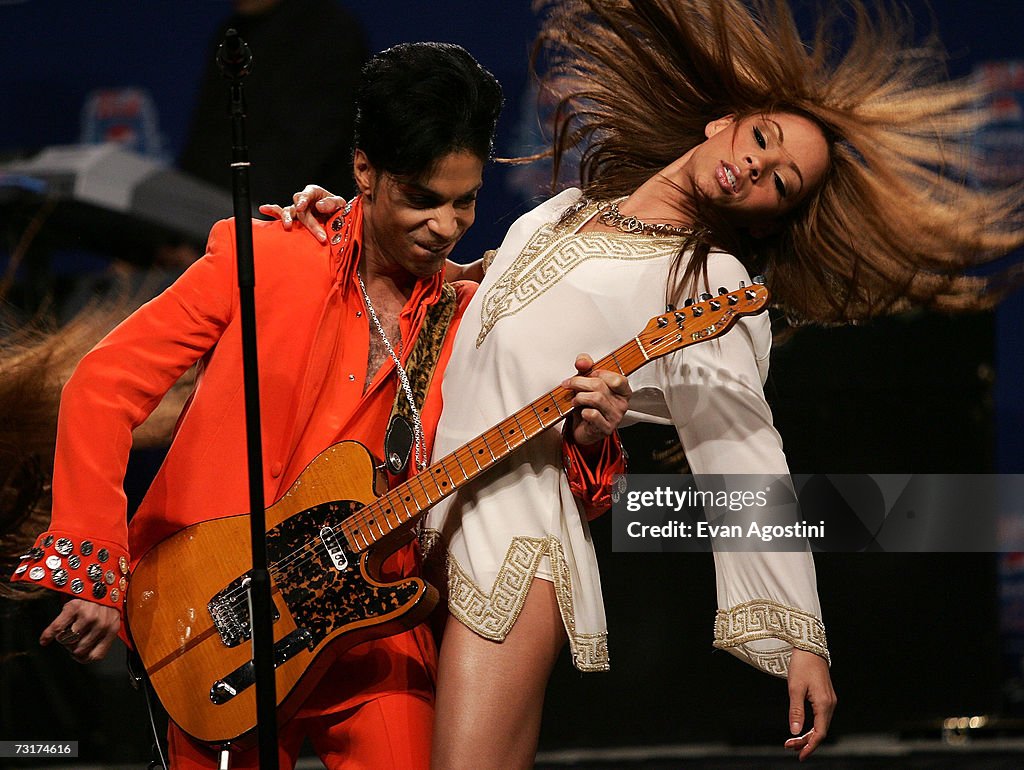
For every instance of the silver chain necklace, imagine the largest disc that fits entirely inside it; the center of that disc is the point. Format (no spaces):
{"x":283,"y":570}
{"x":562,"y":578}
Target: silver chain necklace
{"x":417,"y":426}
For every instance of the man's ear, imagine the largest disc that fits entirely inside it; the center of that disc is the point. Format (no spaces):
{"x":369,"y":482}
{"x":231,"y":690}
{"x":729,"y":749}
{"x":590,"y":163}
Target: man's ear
{"x":715,"y":126}
{"x":364,"y":173}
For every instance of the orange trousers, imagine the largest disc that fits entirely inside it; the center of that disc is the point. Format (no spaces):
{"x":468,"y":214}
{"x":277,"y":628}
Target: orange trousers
{"x":391,"y":732}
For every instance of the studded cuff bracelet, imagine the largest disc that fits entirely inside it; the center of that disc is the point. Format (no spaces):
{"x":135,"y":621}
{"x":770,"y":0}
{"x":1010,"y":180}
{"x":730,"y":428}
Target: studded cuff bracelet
{"x":95,"y":570}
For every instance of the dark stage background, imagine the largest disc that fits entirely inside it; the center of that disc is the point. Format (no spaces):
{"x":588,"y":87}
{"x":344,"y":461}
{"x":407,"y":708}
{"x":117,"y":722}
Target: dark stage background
{"x":914,"y":638}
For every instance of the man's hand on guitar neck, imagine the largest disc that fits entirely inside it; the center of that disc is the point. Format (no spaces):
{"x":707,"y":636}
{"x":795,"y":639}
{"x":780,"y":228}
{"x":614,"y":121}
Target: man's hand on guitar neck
{"x":85,"y":629}
{"x":602,"y":398}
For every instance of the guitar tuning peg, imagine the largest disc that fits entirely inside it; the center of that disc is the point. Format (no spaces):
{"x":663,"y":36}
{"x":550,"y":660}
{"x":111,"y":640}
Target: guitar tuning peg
{"x":705,"y":297}
{"x":689,"y":301}
{"x":722,"y":290}
{"x":669,"y":307}
{"x":759,"y":280}
{"x":715,"y":304}
{"x":743,"y":284}
{"x":662,"y":322}
{"x":698,"y":311}
{"x":733,"y":299}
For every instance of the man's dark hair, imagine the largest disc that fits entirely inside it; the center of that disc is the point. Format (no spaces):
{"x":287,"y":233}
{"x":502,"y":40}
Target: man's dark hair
{"x":419,"y":102}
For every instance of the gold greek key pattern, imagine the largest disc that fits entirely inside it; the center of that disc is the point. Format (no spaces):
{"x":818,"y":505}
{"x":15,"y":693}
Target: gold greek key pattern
{"x":492,"y":615}
{"x":774,"y":662}
{"x":552,"y":252}
{"x":590,"y":652}
{"x":760,"y":619}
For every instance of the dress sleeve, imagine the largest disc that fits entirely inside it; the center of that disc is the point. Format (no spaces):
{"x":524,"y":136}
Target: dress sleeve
{"x":114,"y":388}
{"x":768,"y":602}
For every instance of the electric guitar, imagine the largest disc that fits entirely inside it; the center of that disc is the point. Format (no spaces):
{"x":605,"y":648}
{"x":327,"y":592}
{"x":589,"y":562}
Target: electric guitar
{"x":187,"y":606}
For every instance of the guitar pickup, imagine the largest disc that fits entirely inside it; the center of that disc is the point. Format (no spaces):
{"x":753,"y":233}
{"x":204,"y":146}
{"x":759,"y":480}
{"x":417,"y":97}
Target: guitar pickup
{"x":334,"y":550}
{"x":244,"y":676}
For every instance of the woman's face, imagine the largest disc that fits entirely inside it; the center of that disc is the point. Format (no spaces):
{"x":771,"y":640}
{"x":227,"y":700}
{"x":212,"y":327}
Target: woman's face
{"x":756,"y":170}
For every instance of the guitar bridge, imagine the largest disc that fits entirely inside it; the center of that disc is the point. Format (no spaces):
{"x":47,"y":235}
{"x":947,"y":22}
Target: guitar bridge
{"x":334,"y":550}
{"x":229,"y":610}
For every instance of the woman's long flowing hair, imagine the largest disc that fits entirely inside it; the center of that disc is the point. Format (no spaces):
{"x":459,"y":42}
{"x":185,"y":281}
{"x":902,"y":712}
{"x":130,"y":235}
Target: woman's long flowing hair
{"x":895,"y":222}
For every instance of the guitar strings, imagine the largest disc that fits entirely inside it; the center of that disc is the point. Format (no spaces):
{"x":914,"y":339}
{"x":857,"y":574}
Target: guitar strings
{"x":285,"y":566}
{"x":304,"y":553}
{"x":366,"y":517}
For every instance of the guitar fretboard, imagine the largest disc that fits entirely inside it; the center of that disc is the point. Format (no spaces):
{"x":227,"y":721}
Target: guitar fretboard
{"x":663,"y":334}
{"x":411,"y":498}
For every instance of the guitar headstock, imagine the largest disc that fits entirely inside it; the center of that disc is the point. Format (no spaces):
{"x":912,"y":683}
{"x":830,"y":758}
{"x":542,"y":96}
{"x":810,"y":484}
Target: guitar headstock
{"x":703,"y":320}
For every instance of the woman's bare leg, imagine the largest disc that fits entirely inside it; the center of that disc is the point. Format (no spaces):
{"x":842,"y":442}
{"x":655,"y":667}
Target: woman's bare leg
{"x":490,"y":695}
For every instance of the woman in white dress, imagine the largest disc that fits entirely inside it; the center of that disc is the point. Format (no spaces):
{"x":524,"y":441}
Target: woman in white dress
{"x":716,"y":145}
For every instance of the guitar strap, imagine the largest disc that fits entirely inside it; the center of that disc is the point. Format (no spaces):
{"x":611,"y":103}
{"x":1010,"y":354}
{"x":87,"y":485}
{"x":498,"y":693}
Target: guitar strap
{"x":426,"y":350}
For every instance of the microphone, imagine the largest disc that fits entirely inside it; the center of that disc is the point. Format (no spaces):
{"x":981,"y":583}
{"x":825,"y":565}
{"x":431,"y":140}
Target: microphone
{"x":234,"y":57}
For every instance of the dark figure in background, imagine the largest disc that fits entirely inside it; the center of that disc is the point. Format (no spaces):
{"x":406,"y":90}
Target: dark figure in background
{"x":289,"y":111}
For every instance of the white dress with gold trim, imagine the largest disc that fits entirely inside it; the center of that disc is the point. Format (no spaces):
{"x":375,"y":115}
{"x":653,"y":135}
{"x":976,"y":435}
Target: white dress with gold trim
{"x":552,"y":292}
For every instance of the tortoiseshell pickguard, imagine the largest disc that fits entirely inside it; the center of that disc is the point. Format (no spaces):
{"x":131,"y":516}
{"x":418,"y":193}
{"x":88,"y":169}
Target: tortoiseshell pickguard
{"x":320,"y":598}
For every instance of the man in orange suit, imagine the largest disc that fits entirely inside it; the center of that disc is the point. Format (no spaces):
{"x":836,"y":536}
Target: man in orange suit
{"x":338,"y":324}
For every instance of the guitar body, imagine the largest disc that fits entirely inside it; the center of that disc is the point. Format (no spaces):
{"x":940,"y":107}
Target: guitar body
{"x":187,"y":605}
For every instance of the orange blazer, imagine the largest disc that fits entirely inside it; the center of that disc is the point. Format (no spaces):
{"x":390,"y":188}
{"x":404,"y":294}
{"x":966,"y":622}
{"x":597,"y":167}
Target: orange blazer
{"x":306,"y":301}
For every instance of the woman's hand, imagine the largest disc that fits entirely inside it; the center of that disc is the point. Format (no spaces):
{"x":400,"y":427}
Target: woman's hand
{"x":809,"y":682}
{"x":311,"y":207}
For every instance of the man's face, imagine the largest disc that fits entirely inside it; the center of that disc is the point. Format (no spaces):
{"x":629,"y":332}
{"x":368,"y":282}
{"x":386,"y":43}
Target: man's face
{"x":412,"y":224}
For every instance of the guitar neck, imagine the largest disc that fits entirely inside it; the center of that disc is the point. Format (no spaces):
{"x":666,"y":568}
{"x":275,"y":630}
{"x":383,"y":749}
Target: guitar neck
{"x":663,"y":334}
{"x":411,"y":498}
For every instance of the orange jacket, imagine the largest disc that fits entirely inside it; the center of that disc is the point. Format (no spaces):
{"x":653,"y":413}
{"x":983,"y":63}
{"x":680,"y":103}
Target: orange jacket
{"x":313,"y":340}
{"x":312,"y":343}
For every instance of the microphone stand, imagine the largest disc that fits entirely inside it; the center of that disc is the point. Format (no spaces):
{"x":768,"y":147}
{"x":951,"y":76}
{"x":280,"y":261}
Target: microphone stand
{"x":235,"y":61}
